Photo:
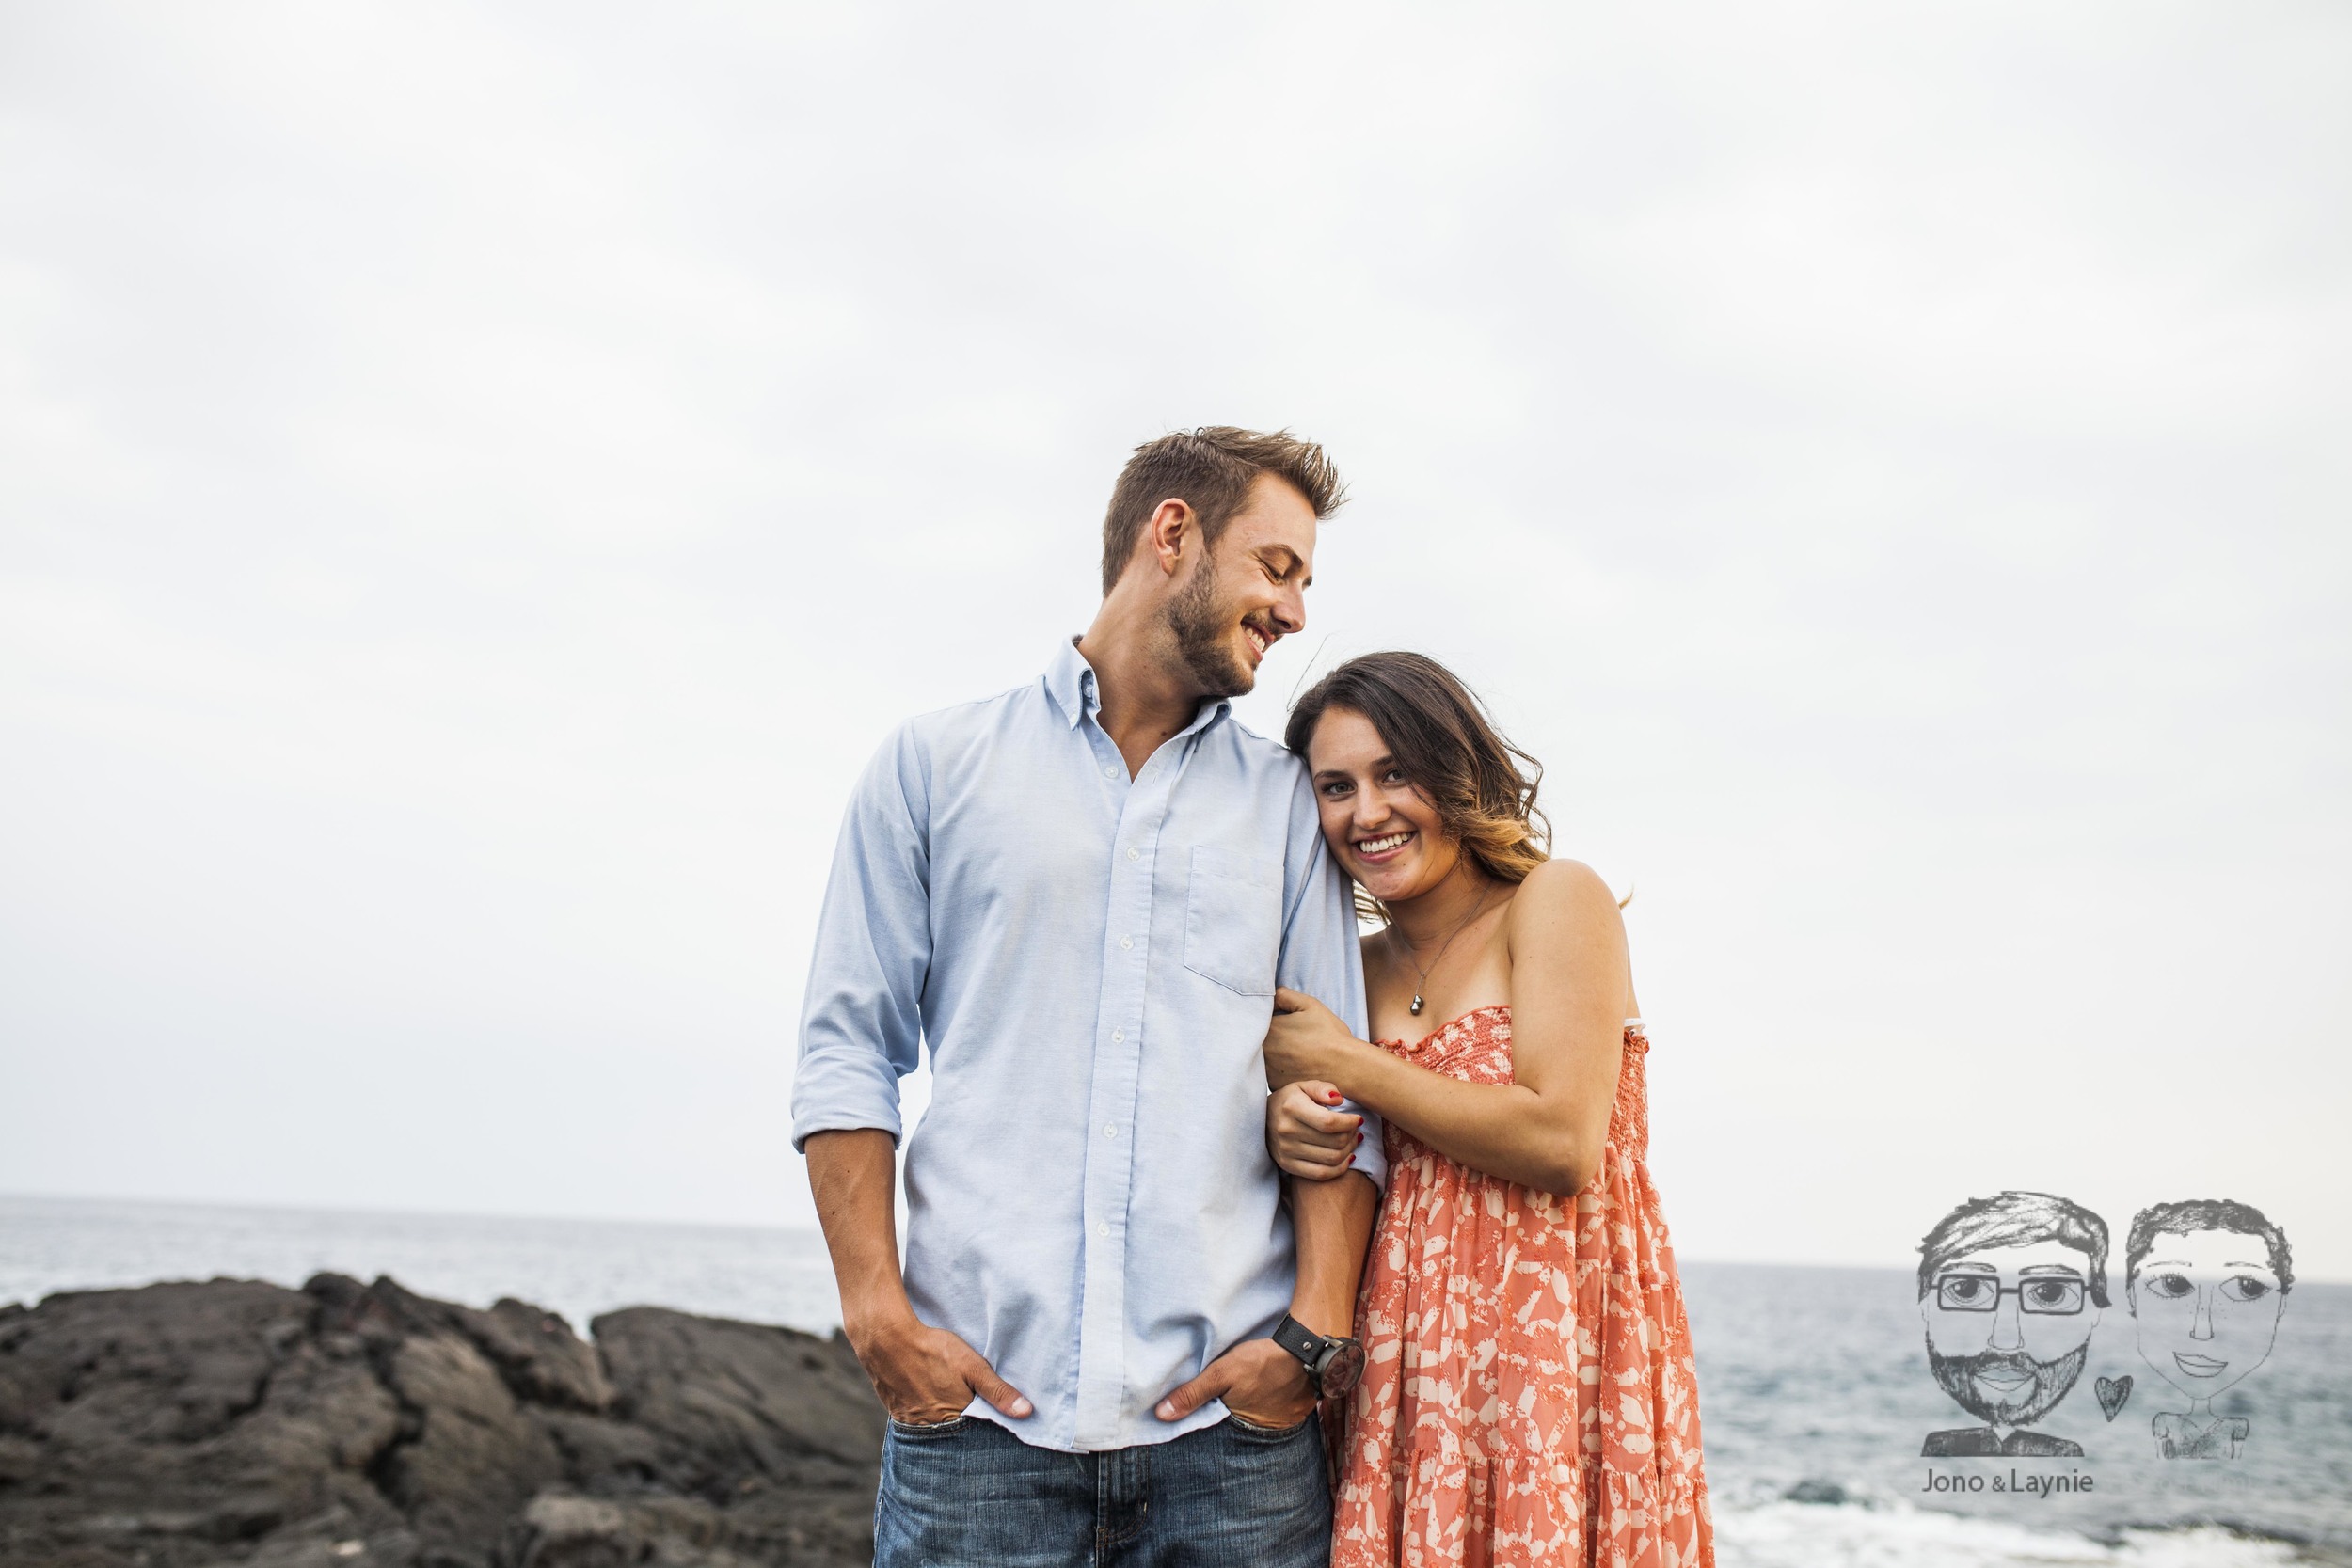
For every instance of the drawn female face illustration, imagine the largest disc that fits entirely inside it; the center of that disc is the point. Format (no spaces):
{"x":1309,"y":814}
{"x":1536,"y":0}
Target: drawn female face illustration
{"x":2207,"y":1304}
{"x":2007,"y":1328}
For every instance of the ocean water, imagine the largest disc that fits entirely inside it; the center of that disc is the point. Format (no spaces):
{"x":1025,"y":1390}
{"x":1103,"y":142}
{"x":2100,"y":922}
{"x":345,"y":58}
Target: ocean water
{"x":1814,"y":1389}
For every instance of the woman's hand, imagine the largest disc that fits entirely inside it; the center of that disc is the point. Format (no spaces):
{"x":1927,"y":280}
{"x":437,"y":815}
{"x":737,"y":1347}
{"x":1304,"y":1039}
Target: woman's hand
{"x":1307,"y":1135}
{"x":1306,"y":1040}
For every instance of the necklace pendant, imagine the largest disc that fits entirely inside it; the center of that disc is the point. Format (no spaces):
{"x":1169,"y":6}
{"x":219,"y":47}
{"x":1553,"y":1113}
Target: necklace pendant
{"x":1415,"y":1008}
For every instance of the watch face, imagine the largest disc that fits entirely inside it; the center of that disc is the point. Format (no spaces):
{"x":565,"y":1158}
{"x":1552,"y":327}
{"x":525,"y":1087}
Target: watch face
{"x":1342,"y":1371}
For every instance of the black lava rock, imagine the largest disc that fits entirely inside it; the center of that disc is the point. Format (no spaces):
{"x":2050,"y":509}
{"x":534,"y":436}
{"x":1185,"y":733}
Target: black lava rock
{"x":363,"y":1426}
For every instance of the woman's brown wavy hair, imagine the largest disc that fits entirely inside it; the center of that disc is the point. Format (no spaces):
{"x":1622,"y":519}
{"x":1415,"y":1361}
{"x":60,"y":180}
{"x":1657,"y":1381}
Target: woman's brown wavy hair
{"x":1483,"y":786}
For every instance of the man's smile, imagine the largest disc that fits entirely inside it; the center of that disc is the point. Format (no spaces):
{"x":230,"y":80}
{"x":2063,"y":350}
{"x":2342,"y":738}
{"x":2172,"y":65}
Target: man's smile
{"x":2199,"y":1366}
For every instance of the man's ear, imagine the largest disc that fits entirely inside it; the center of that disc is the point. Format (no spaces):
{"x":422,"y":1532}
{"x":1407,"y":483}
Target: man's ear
{"x":1172,"y":530}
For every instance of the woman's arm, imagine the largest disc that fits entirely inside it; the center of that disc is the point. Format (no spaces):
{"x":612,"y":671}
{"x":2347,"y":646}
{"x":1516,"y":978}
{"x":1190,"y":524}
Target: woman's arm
{"x":1571,"y":996}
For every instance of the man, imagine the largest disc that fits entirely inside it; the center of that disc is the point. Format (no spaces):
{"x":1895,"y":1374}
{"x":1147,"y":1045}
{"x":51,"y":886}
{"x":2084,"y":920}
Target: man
{"x":1112,"y":1325}
{"x":2008,"y":1289}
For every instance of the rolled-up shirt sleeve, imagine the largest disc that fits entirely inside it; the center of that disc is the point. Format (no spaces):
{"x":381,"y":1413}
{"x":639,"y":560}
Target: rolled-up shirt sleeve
{"x":1322,"y":953}
{"x":861,"y":1020}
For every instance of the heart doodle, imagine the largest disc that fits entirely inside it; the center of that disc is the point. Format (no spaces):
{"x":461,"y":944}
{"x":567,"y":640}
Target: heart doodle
{"x":2113,"y":1391}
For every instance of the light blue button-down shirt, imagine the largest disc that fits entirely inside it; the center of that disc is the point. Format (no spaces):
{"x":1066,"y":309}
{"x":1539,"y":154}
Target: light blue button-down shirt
{"x":1091,"y":1204}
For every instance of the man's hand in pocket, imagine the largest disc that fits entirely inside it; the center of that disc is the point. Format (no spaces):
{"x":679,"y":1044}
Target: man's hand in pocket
{"x":1259,"y":1381}
{"x":926,"y":1375}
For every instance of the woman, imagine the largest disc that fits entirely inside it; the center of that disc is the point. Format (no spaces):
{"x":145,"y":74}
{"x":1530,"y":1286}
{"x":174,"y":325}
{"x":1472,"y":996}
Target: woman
{"x":1530,"y":1395}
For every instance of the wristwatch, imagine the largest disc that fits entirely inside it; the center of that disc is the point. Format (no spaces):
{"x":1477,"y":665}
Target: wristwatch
{"x":1333,"y":1366}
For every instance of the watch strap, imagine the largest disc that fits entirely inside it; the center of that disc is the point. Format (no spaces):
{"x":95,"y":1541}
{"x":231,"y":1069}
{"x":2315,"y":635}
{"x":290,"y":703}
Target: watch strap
{"x":1300,"y":1340}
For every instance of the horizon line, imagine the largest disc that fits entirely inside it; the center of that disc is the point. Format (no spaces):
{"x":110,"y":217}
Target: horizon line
{"x":369,"y":1211}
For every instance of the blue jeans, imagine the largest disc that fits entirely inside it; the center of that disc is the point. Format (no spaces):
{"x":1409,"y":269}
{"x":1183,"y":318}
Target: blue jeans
{"x":968,"y":1494}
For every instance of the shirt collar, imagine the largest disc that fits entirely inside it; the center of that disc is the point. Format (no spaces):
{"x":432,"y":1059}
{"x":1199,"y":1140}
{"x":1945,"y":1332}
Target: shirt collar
{"x":1069,"y":680}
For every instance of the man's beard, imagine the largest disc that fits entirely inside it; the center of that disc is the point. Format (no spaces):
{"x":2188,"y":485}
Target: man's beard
{"x":1956,"y":1376}
{"x":1201,"y":627}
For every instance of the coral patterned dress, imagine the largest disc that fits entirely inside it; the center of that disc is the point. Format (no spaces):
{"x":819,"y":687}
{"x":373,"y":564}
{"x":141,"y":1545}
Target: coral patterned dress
{"x":1530,"y":1395}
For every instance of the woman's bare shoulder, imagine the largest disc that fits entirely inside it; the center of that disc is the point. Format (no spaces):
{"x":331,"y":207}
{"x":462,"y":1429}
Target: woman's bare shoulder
{"x":1565,"y":900}
{"x":1566,"y":916}
{"x":1565,"y":885}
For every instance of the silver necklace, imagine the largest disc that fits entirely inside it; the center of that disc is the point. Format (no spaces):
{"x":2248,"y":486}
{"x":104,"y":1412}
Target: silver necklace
{"x":1423,"y":975}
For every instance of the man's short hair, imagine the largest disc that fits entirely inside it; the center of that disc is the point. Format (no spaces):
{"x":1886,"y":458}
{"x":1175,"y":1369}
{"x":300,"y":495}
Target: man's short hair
{"x":1210,"y":469}
{"x":2205,"y":1214}
{"x":2015,"y":1219}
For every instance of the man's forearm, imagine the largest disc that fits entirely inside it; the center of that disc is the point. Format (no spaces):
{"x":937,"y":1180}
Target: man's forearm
{"x":921,"y":1373}
{"x":854,"y":1176}
{"x":1333,"y":1223}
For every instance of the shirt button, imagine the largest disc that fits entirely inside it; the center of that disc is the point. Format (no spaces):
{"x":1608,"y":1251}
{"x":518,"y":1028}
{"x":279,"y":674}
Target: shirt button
{"x":1102,"y":1230}
{"x":1110,"y":1131}
{"x":1126,"y":942}
{"x":1134,"y":854}
{"x":1119,"y":1036}
{"x":1110,"y":772}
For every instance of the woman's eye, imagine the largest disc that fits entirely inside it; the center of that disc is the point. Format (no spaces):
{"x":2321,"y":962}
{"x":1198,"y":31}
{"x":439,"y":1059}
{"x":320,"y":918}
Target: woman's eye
{"x":2244,"y":1288}
{"x":2171,"y":1287}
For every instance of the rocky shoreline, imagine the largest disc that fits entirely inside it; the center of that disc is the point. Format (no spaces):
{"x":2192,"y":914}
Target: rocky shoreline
{"x":363,"y":1425}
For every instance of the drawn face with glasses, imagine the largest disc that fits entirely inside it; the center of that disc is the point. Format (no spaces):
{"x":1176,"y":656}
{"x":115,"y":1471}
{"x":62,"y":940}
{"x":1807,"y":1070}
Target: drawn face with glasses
{"x":2008,"y":1329}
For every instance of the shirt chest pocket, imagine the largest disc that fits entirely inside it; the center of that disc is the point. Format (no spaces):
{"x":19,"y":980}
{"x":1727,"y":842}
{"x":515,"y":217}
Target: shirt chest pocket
{"x":1232,"y":920}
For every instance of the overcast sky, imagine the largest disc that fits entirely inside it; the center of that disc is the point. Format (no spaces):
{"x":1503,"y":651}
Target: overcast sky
{"x":476,"y":482}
